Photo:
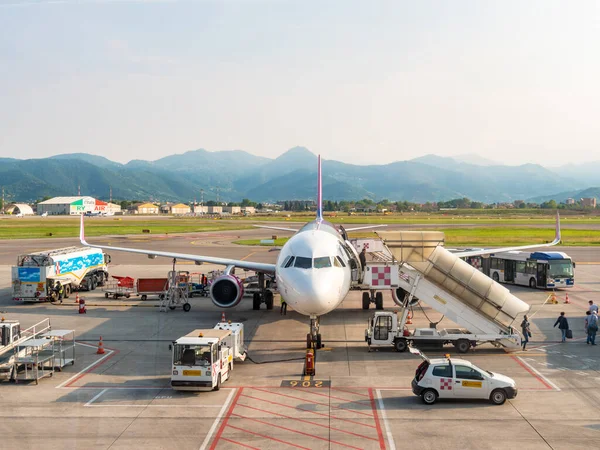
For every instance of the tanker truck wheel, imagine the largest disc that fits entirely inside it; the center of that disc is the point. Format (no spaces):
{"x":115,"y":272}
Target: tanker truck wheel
{"x":67,"y":291}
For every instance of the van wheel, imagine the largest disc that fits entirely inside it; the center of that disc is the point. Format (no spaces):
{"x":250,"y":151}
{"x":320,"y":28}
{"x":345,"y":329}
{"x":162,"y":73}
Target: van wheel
{"x":429,"y":396}
{"x":532,"y":283}
{"x":400,"y":345}
{"x":462,"y":346}
{"x":498,"y":397}
{"x":218,"y":386}
{"x":495,"y":277}
{"x":366,"y":300}
{"x":379,"y":300}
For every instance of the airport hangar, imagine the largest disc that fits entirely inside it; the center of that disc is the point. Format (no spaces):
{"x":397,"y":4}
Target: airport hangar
{"x":75,"y":206}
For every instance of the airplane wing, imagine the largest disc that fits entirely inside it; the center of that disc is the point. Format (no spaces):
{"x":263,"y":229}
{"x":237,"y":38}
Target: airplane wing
{"x":487,"y":251}
{"x":276,"y":228}
{"x":365,"y":227}
{"x":248,"y":265}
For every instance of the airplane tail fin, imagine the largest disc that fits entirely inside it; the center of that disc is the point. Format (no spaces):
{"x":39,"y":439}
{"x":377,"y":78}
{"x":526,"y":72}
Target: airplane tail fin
{"x":82,"y":232}
{"x":319,"y":191}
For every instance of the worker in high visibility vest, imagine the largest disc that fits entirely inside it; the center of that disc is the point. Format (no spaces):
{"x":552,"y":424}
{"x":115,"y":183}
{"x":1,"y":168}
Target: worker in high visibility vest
{"x":283,"y":311}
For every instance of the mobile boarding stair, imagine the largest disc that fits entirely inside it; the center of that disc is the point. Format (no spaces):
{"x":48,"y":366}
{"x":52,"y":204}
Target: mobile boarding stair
{"x":435,"y":276}
{"x":14,"y":341}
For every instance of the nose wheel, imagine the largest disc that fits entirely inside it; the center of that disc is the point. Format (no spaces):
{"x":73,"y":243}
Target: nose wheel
{"x":313,"y":343}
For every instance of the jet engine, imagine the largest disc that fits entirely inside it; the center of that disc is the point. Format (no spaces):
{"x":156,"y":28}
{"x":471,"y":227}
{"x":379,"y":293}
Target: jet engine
{"x":226,"y":291}
{"x":399,"y":295}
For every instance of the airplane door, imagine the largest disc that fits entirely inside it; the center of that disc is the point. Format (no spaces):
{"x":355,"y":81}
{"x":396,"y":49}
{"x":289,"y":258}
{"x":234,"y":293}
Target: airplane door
{"x":509,"y":271}
{"x":541,"y":274}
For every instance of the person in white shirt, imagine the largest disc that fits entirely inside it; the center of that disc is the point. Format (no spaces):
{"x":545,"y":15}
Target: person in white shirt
{"x":593,"y":307}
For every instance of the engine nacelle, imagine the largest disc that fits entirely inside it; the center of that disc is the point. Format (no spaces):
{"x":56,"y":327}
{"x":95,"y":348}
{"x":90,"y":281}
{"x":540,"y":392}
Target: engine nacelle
{"x":227,"y":291}
{"x":399,"y":295}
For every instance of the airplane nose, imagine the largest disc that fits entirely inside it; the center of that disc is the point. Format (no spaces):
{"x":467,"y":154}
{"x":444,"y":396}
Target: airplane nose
{"x":317,"y":294}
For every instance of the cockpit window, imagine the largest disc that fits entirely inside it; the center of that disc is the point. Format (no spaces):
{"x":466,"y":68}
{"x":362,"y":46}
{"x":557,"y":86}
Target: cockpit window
{"x":289,"y":262}
{"x":303,"y":263}
{"x":339,"y":262}
{"x":322,"y":261}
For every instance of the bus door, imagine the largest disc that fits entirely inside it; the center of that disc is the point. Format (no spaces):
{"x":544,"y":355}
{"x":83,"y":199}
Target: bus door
{"x":509,"y":270}
{"x":541,"y":274}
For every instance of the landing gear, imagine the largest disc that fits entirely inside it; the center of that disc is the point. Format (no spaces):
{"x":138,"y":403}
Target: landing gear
{"x":372,"y":297}
{"x":264,"y":295}
{"x":313,"y":343}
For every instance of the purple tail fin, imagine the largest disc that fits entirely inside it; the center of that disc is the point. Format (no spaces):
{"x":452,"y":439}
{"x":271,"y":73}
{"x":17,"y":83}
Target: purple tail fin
{"x":319,"y":192}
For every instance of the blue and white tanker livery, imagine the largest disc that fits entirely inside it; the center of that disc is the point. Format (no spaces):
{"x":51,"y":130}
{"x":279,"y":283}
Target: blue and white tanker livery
{"x":36,"y":274}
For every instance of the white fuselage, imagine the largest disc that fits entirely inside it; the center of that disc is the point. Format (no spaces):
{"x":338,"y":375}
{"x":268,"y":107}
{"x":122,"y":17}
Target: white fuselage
{"x":318,"y":279}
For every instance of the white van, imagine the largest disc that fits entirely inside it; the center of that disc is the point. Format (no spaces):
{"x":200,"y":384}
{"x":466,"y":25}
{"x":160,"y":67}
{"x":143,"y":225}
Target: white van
{"x":458,"y":378}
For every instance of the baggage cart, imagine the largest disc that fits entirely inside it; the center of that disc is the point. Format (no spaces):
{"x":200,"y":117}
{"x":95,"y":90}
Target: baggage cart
{"x":119,"y":287}
{"x":152,"y":286}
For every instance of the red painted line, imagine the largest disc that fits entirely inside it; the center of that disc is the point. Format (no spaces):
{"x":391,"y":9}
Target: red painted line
{"x":316,"y":403}
{"x":267,"y":437}
{"x":95,"y":366}
{"x":349,"y":392}
{"x":227,"y":416}
{"x":313,"y":436}
{"x":310,"y":411}
{"x":535,"y":375}
{"x":116,"y":386}
{"x":239,"y":443}
{"x":309,"y":422}
{"x":359,"y":402}
{"x":379,"y":433}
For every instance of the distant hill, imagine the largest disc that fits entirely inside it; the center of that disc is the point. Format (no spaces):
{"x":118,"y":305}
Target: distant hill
{"x":563,"y":196}
{"x":237,"y":174}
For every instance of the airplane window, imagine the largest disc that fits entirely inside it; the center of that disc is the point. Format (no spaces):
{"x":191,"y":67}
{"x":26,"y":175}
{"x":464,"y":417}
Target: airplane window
{"x":339,"y":261}
{"x":289,"y":262}
{"x":303,"y":263}
{"x":323,"y":261}
{"x":336,"y":263}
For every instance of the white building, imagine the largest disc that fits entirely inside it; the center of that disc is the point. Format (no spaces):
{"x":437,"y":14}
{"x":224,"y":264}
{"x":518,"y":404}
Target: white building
{"x":215,"y":210}
{"x":20,"y":208}
{"x":248,"y":210}
{"x":201,"y":209}
{"x":72,"y":206}
{"x":232,"y":209}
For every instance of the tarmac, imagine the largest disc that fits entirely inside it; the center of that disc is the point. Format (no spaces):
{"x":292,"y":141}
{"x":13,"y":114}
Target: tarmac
{"x":358,"y":399}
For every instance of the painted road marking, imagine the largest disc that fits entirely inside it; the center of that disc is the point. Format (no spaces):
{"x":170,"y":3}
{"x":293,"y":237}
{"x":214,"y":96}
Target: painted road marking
{"x":542,"y":378}
{"x":109,"y":353}
{"x":217,"y":420}
{"x":390,"y":439}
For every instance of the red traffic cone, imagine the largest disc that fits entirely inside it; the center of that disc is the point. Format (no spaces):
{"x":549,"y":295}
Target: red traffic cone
{"x":77,"y":298}
{"x":409,"y":318}
{"x":100,"y":350}
{"x":223,"y":317}
{"x":567,"y":298}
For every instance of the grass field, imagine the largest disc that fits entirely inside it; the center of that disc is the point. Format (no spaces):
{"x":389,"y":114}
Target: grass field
{"x":490,"y":237}
{"x":38,"y":227}
{"x":501,"y":230}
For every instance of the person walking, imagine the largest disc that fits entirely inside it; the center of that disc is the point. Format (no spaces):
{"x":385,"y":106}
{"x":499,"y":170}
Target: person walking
{"x":563,"y":325}
{"x":526,"y":331}
{"x":592,"y":307}
{"x":283,"y":311}
{"x":586,"y":323}
{"x":592,"y":328}
{"x":363,"y":258}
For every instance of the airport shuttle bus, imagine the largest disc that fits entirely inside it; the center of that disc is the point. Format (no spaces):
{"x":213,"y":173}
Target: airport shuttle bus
{"x":545,"y":270}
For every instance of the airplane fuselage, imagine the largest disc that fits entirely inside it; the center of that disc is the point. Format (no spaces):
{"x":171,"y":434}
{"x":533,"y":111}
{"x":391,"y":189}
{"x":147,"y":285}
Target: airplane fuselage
{"x":313,"y":270}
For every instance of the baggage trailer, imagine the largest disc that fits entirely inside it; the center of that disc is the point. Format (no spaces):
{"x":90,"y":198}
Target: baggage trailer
{"x":203,"y":359}
{"x":152,"y":286}
{"x":76,"y":268}
{"x":119,"y":287}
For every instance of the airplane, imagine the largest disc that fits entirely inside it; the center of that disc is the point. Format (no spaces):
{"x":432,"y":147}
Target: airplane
{"x":313,"y":270}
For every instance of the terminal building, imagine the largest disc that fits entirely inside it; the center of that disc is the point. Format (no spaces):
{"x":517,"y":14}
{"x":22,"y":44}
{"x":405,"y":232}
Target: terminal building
{"x":76,"y":206}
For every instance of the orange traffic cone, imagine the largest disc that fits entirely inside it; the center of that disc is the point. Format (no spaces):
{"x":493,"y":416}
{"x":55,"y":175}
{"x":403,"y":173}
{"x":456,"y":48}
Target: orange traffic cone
{"x":409,"y":318}
{"x":567,"y":299}
{"x":223,"y":317}
{"x":77,"y":298}
{"x":100,"y":350}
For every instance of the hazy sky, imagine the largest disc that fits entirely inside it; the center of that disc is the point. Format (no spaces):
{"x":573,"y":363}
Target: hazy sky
{"x":357,"y":81}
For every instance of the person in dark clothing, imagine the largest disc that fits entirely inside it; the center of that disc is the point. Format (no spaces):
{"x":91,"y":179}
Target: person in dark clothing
{"x":526,"y":332}
{"x":363,"y":258}
{"x":563,"y":325}
{"x":59,"y":290}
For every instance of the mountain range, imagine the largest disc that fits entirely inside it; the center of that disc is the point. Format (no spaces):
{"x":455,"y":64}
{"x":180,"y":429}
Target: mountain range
{"x":236,"y":174}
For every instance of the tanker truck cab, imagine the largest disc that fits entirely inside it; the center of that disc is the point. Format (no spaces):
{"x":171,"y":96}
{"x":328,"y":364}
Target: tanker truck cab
{"x":202,"y":360}
{"x":451,"y":378}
